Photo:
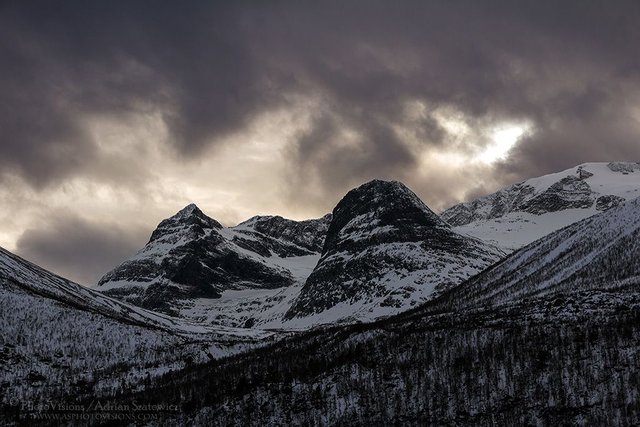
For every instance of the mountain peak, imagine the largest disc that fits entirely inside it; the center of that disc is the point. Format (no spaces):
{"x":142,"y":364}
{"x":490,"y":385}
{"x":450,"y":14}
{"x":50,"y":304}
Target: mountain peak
{"x":381,"y":185}
{"x":521,"y":213}
{"x":386,"y":249}
{"x":188,"y":218}
{"x":379,"y":203}
{"x":386,"y":188}
{"x":191,"y":210}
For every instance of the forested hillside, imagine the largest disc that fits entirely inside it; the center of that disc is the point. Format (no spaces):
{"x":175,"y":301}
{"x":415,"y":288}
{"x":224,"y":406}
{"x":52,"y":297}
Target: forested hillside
{"x":549,"y":361}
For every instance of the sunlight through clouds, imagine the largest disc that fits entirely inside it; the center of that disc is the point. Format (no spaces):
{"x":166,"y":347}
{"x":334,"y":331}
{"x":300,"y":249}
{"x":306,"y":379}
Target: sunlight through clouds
{"x":503,"y":139}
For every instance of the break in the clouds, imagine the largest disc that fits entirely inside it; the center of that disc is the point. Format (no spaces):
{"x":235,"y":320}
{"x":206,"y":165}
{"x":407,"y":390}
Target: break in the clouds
{"x":119,"y":113}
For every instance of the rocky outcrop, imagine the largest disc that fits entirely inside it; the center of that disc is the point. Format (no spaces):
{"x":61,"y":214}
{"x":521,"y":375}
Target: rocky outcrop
{"x":571,"y":192}
{"x":308,"y":234}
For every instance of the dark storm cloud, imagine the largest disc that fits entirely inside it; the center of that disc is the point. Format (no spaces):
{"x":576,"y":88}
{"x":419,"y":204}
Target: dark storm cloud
{"x":79,"y":249}
{"x":209,"y":67}
{"x":63,"y":61}
{"x":570,"y":69}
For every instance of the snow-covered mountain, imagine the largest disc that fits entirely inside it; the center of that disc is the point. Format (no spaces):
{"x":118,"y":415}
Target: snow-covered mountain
{"x":57,"y":337}
{"x":598,"y":253}
{"x":519,"y":214}
{"x":484,"y":349}
{"x":385,"y":252}
{"x":548,"y":336}
{"x":308,"y":234}
{"x":191,"y":257}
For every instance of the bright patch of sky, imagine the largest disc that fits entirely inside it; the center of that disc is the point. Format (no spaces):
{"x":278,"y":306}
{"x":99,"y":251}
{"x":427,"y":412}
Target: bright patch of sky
{"x":503,"y":139}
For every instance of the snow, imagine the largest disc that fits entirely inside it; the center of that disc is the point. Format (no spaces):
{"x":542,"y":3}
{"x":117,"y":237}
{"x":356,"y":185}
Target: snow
{"x":65,"y":335}
{"x":398,"y":290}
{"x":32,"y":278}
{"x":599,"y":252}
{"x":517,"y":229}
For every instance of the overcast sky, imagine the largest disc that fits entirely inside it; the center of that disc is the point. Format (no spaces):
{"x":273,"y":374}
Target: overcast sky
{"x":116,"y":114}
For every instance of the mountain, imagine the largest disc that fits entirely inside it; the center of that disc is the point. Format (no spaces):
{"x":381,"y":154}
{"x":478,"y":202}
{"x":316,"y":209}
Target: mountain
{"x":548,"y":336}
{"x":520,"y":214}
{"x":191,"y":257}
{"x":598,"y":253}
{"x":308,"y":234}
{"x":59,"y":338}
{"x":385,"y":251}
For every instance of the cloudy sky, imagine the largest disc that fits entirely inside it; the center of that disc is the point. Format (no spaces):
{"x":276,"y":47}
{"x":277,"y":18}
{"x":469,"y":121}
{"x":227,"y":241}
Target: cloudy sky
{"x":116,"y":114}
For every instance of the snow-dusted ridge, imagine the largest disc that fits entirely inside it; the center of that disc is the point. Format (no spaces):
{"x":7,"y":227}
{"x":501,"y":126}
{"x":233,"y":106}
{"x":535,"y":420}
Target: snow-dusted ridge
{"x":600,"y":253}
{"x":522,"y":213}
{"x":195,"y":268}
{"x":388,"y":252}
{"x":29,"y":278}
{"x":251,"y":275}
{"x":59,"y":337}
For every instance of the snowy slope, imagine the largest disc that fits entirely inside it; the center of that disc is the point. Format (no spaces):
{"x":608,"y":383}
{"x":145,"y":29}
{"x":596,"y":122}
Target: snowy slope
{"x":256,"y":308}
{"x":598,"y":253}
{"x":385,"y":252}
{"x":191,"y":261}
{"x":59,"y":337}
{"x":524,"y":212}
{"x":20,"y":274}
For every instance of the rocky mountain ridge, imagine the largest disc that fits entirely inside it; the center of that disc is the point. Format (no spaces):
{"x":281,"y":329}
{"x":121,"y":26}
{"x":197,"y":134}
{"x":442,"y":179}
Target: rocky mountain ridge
{"x":58,"y":338}
{"x":522,"y":213}
{"x":600,"y":253}
{"x":191,"y":256}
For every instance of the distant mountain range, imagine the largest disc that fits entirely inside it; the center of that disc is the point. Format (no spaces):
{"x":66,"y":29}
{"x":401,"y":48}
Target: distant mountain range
{"x":520,"y":308}
{"x":385,"y":251}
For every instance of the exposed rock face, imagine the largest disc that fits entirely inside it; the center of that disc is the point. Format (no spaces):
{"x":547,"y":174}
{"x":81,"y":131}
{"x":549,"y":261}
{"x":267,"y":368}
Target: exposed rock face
{"x":608,"y":202}
{"x":570,"y":192}
{"x":624,"y":167}
{"x":385,"y":248}
{"x":308,"y":234}
{"x":494,"y":205}
{"x":193,"y":256}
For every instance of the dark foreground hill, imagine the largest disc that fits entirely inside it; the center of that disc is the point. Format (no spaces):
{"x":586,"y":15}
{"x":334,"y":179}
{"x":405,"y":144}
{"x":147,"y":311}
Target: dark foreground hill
{"x":546,"y":362}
